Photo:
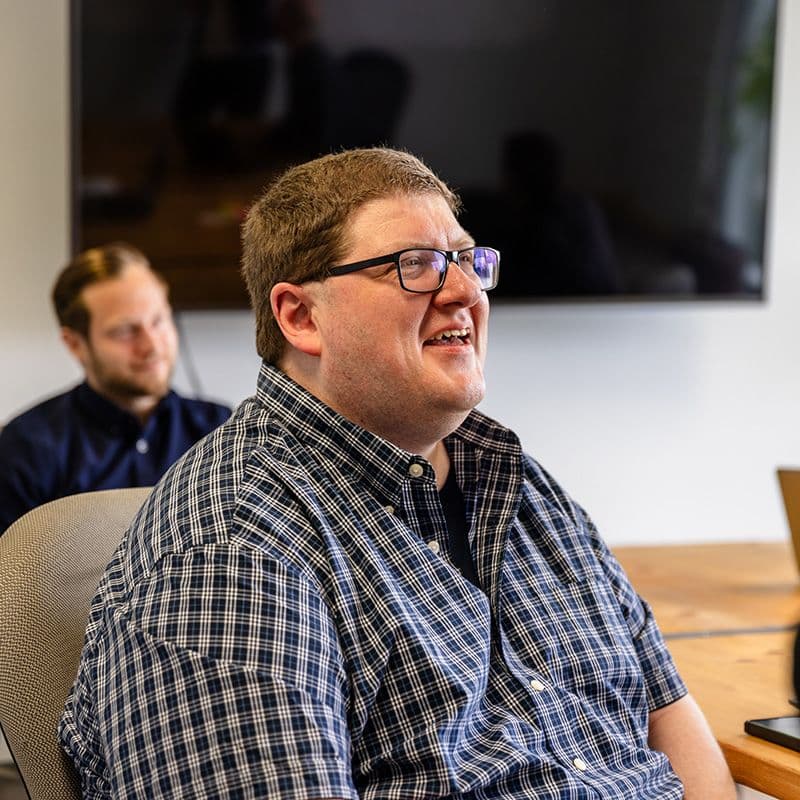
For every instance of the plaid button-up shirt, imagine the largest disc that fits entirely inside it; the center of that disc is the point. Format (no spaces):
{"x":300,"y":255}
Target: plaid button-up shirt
{"x":282,"y":621}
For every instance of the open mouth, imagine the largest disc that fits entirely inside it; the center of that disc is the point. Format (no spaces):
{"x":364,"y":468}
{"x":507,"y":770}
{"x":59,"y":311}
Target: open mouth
{"x":452,"y":337}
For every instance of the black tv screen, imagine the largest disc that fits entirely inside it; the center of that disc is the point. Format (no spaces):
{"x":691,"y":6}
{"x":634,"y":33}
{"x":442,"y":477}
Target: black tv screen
{"x":611,"y":149}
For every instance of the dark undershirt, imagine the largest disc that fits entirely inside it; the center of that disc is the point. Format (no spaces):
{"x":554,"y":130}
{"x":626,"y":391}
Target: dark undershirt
{"x":455,"y":514}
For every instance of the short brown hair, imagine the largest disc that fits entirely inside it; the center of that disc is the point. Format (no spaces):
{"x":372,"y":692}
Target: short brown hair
{"x":92,"y":266}
{"x":297,"y":229}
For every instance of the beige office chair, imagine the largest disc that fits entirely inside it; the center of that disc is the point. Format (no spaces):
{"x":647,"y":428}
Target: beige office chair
{"x":51,"y":561}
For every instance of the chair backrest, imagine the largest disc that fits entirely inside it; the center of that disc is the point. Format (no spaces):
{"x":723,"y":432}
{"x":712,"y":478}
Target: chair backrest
{"x":51,"y":561}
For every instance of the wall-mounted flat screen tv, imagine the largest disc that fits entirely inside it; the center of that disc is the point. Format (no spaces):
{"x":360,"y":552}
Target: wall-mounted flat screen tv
{"x":610,"y":149}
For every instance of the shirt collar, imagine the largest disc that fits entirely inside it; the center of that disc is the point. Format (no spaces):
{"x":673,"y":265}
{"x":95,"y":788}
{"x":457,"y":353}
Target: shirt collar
{"x":369,"y":458}
{"x":110,"y":416}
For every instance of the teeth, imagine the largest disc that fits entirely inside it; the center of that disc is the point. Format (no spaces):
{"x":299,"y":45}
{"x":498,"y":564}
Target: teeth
{"x":458,"y":332}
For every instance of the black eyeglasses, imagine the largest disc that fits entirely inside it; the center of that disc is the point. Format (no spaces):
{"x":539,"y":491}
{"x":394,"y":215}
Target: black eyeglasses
{"x":423,"y":269}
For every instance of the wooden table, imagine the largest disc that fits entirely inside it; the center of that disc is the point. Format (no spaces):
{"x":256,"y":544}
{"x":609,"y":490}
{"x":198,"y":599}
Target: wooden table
{"x":728,"y":612}
{"x":716,"y":588}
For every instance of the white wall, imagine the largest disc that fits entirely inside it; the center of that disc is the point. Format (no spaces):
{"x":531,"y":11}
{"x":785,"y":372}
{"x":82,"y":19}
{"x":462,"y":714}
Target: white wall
{"x":33,"y":200}
{"x":665,"y":421}
{"x":34,"y":195}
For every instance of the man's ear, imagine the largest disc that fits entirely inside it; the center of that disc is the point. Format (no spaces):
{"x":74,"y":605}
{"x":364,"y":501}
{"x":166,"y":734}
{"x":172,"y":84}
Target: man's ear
{"x":76,"y":344}
{"x":294,"y":309}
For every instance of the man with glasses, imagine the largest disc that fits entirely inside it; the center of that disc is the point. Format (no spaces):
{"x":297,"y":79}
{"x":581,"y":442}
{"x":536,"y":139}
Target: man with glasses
{"x":360,"y":586}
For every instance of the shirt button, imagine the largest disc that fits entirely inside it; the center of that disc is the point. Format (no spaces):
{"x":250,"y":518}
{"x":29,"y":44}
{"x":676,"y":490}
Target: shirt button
{"x":415,"y":470}
{"x":142,"y":446}
{"x":537,"y":686}
{"x":389,"y":509}
{"x":433,"y":546}
{"x":580,"y":764}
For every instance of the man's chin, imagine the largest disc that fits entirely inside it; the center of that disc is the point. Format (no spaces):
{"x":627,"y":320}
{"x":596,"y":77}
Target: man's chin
{"x":466,"y":394}
{"x":462,"y":400}
{"x":137,"y":389}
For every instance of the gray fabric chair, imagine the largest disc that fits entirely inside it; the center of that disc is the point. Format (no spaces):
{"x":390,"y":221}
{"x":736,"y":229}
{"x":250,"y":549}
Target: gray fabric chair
{"x":51,"y":561}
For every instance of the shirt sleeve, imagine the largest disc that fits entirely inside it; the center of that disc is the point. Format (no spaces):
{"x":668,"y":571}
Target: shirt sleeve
{"x":27,"y":475}
{"x":664,"y":684}
{"x":221,"y":676}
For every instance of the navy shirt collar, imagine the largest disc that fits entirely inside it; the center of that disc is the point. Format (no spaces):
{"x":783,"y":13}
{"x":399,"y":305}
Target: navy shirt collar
{"x":111,"y":417}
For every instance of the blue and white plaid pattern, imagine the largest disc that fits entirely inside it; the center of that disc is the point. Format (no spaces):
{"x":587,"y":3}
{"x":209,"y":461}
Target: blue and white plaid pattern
{"x":282,"y":621}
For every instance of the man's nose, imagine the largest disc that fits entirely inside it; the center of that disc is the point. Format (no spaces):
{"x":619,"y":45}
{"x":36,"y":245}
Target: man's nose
{"x":145,"y":341}
{"x":458,"y":287}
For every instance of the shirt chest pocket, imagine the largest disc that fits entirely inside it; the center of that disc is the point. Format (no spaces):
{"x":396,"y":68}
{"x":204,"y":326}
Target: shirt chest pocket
{"x":558,"y":611}
{"x":423,"y":661}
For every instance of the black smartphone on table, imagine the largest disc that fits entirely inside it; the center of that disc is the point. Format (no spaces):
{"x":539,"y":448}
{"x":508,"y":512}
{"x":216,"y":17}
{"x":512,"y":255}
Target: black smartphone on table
{"x":781,"y":730}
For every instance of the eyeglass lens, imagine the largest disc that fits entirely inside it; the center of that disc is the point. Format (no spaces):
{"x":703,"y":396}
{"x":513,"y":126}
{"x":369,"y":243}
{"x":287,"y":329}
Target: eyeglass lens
{"x":422,"y":270}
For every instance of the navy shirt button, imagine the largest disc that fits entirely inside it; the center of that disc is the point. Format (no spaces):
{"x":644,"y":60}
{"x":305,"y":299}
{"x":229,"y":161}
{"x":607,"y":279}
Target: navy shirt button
{"x":142,"y":446}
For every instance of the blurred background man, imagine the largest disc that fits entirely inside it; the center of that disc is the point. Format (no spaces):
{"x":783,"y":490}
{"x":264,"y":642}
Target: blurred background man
{"x":123,"y":425}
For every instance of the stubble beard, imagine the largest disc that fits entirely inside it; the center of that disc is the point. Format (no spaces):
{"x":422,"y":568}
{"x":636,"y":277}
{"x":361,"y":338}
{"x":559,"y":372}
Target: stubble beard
{"x":132,"y":388}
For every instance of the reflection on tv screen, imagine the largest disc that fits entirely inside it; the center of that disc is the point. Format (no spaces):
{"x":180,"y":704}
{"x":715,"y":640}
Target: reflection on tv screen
{"x":610,"y":149}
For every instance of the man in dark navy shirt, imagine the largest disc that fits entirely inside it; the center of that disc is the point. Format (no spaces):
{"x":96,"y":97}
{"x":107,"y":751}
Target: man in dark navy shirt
{"x":123,"y":426}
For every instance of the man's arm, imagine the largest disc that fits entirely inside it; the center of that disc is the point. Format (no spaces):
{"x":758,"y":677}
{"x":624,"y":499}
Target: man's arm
{"x":681,"y":732}
{"x":220,"y":676}
{"x":26,"y":475}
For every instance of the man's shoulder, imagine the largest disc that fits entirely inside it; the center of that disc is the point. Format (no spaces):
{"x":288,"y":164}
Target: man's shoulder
{"x":250,"y":444}
{"x":202,"y":407}
{"x":41,"y":418}
{"x":201,"y":415}
{"x":194,"y":502}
